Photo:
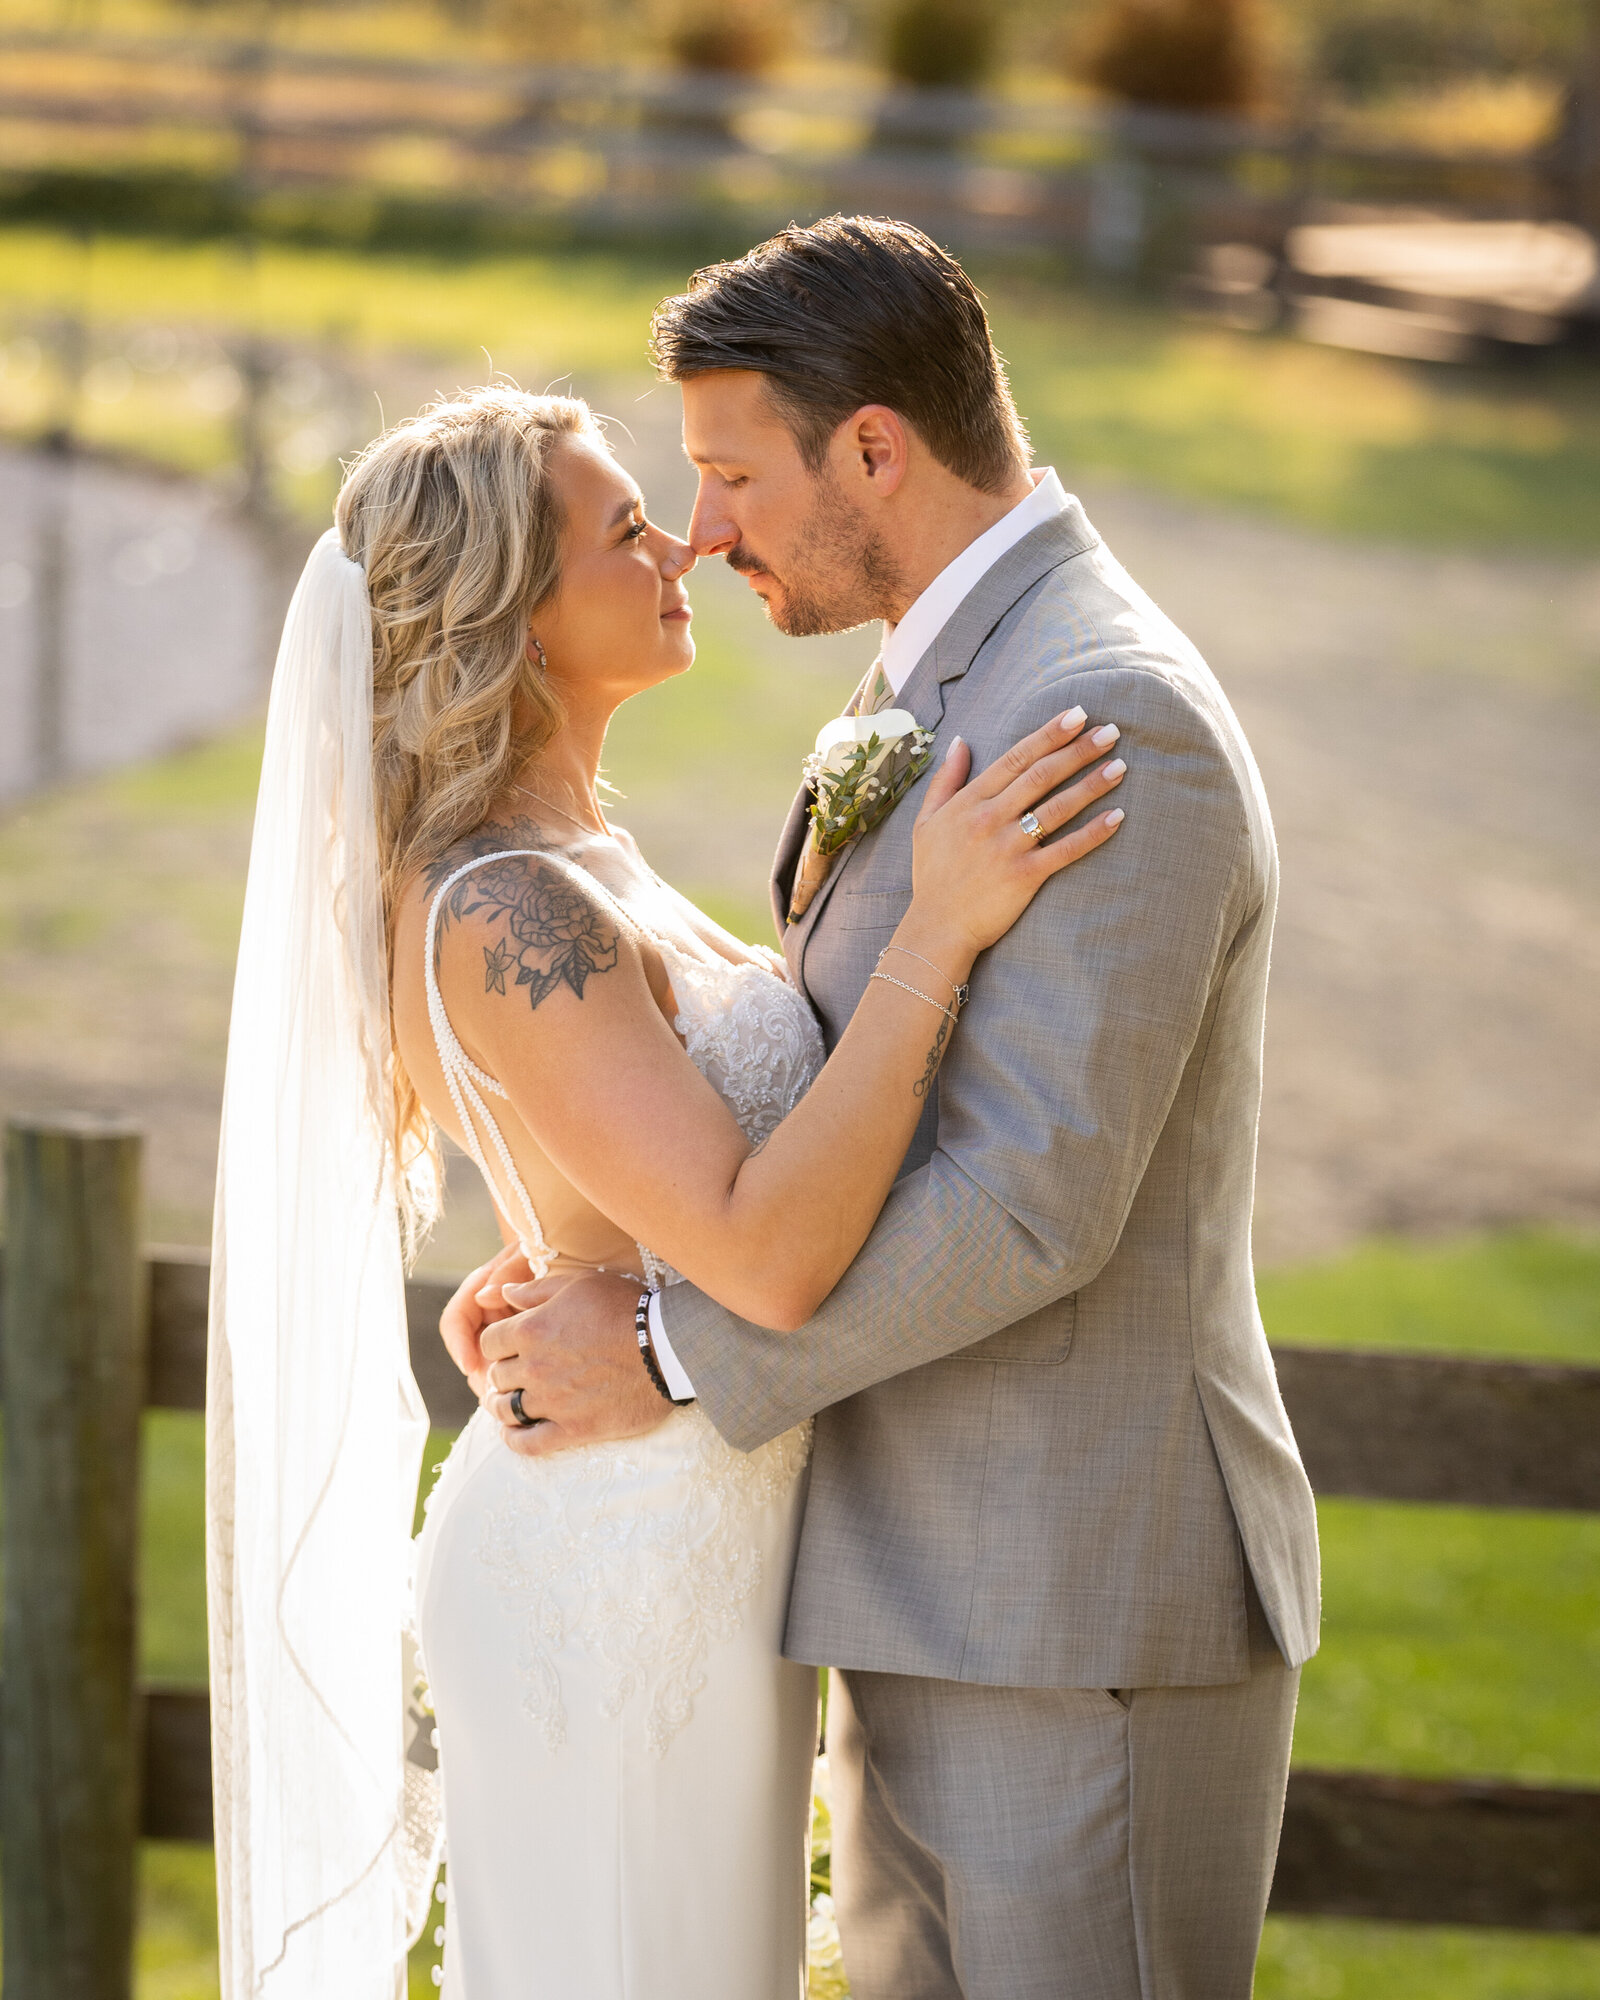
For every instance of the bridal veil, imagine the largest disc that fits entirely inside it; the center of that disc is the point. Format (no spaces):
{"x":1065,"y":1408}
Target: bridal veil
{"x":315,"y":1428}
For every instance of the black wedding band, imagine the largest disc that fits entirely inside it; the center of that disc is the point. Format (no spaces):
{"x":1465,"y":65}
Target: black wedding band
{"x":519,"y":1415}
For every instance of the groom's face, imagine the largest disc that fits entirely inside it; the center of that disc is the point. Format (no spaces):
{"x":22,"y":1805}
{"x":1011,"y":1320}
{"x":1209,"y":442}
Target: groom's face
{"x":812,"y":556}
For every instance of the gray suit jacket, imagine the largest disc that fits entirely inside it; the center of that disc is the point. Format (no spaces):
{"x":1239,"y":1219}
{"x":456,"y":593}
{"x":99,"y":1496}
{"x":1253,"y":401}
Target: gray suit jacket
{"x":1050,"y":1434}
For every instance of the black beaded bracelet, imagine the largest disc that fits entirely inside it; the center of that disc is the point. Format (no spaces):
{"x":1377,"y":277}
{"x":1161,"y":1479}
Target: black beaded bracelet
{"x":641,"y":1327}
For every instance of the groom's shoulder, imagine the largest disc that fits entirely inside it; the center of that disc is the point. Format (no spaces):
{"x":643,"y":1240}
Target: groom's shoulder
{"x":1086,"y":633}
{"x":1086,"y":621}
{"x":1086,"y":611}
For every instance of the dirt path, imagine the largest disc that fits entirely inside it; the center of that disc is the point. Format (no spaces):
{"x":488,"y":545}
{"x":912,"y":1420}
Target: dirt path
{"x":1429,"y":731}
{"x":1430,"y":740}
{"x":1428,"y":727}
{"x":164,"y":602}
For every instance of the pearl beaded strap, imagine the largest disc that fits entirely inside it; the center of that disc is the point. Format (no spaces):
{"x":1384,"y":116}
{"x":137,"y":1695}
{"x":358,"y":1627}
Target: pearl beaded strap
{"x":465,"y":1081}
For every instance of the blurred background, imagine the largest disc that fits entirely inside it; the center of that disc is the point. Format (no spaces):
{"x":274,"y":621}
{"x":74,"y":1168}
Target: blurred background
{"x":1301,"y":296}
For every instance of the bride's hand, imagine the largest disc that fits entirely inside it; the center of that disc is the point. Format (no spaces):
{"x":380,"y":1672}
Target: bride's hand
{"x":974,"y":867}
{"x":476,"y":1302}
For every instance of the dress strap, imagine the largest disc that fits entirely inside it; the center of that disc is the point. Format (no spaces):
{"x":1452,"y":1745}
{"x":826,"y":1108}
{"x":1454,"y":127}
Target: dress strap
{"x":466,"y":1083}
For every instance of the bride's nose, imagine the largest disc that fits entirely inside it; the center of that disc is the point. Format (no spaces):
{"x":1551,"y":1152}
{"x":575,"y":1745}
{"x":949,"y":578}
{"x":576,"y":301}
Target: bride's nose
{"x":677,"y":558}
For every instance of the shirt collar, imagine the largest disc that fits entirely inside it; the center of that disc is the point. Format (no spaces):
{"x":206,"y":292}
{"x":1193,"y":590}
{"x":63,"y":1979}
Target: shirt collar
{"x":904,"y":644}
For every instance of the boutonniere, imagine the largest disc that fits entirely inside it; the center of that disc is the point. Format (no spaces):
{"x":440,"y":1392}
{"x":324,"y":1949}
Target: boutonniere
{"x":859,"y":771}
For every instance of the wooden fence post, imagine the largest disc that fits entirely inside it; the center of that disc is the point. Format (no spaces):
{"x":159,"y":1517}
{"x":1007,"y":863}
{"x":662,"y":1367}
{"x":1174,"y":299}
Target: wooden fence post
{"x":74,"y":1367}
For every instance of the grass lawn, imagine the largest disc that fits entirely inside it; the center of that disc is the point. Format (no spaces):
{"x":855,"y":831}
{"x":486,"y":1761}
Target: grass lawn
{"x":1339,"y":441}
{"x":1391,"y":450}
{"x":1455,"y":1640}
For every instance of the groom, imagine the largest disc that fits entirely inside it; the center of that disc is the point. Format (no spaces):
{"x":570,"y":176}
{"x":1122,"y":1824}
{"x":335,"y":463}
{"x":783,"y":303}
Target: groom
{"x":1058,"y":1546}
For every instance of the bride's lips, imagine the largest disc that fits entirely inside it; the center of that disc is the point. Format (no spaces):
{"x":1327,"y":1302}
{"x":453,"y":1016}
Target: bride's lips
{"x":680,"y":614}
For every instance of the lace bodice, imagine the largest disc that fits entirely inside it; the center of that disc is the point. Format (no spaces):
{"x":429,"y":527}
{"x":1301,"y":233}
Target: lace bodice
{"x":753,"y":1038}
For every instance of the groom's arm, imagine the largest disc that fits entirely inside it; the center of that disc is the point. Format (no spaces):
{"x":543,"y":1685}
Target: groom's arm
{"x":1058,"y":1083}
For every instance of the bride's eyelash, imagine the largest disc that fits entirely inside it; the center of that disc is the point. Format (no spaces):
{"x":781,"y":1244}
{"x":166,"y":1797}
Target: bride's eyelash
{"x":635,"y":530}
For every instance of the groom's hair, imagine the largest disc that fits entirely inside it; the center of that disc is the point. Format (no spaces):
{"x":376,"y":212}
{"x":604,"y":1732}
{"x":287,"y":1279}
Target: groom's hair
{"x":850,"y":311}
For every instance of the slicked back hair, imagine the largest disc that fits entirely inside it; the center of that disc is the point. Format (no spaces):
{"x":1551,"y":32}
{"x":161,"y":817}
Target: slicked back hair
{"x":851,"y":311}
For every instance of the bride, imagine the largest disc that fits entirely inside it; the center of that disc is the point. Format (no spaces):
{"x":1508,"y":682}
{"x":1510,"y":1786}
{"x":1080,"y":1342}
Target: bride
{"x":444,"y":932}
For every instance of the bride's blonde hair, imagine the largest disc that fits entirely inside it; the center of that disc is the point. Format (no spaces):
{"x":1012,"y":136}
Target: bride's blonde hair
{"x":456,"y":521}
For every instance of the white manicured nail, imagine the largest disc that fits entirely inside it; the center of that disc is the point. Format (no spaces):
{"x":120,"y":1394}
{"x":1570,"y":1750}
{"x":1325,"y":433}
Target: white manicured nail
{"x":1114,"y":769}
{"x":955,"y":745}
{"x":1072,"y":718}
{"x":1116,"y":818}
{"x":1107,"y":735}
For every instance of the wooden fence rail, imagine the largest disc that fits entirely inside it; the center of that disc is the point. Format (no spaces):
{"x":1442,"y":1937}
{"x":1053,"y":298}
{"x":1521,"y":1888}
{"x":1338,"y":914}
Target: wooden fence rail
{"x":1377,"y":1426}
{"x":618,"y":147}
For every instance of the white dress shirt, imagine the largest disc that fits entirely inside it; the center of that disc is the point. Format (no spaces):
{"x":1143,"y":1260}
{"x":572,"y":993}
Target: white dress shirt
{"x":903,"y":645}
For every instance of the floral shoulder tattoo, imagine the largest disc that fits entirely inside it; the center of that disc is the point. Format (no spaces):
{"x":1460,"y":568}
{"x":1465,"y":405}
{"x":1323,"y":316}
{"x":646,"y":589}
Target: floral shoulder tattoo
{"x":546,"y":932}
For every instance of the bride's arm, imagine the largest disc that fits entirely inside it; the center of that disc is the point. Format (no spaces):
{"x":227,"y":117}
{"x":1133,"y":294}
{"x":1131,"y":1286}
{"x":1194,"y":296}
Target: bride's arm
{"x":552,"y":996}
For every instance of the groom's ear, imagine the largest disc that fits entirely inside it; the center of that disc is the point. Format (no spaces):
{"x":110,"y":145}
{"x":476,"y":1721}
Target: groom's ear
{"x":871,"y":449}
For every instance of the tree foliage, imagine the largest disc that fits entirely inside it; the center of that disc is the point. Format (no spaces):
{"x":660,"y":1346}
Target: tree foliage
{"x":1364,"y":47}
{"x":1183,"y":55}
{"x":940,"y":44}
{"x":734,"y":37}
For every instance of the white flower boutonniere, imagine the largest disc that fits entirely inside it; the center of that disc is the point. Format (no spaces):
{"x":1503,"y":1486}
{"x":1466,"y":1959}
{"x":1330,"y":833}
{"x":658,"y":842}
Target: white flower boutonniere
{"x":859,"y":771}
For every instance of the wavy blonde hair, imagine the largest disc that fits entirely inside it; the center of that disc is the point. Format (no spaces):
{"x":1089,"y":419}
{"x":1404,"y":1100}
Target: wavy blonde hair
{"x":455,"y":518}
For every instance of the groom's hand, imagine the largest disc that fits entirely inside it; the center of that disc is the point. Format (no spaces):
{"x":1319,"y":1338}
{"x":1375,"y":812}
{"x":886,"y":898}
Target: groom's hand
{"x":574,"y":1355}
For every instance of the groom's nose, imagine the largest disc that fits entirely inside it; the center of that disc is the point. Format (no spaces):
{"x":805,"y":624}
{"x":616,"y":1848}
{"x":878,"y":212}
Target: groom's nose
{"x":712,"y":531}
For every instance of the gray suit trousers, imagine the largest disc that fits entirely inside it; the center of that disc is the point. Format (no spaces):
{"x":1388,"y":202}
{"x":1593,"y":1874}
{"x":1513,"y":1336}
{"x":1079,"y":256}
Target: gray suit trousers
{"x":997,"y":1843}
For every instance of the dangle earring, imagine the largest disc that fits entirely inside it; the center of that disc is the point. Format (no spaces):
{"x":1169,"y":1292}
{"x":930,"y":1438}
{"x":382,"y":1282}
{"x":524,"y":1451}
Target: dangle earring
{"x":544,"y":664}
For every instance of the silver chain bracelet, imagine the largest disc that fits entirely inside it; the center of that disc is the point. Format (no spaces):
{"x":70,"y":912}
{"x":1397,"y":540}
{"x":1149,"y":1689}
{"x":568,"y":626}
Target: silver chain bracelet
{"x":889,"y":979}
{"x":958,"y":993}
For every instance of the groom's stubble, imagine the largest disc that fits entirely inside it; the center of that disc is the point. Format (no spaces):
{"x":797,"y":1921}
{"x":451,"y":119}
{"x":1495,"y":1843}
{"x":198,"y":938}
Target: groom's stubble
{"x":838,"y":574}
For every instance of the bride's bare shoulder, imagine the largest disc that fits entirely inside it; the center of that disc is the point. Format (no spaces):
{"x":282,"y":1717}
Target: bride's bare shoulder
{"x":537,"y":920}
{"x":520,"y":928}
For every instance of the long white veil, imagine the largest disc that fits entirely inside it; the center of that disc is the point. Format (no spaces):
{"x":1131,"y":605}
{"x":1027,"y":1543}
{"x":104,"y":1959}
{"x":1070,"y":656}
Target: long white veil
{"x":315,"y":1428}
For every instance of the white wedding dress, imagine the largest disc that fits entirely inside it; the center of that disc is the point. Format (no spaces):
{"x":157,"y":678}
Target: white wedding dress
{"x":625,"y":1756}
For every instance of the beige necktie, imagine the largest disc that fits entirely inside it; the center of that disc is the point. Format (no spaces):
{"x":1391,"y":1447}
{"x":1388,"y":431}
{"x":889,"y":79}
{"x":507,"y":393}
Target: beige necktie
{"x":874,"y":693}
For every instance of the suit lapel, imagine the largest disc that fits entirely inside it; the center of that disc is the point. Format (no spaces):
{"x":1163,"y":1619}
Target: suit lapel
{"x":787,"y":859}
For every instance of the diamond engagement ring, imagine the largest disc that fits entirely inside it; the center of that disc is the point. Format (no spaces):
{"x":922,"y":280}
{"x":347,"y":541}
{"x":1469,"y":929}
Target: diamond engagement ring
{"x":1031,"y":828}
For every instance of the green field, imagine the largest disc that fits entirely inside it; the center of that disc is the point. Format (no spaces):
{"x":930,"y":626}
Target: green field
{"x":1456,"y":1641}
{"x":1339,"y":441}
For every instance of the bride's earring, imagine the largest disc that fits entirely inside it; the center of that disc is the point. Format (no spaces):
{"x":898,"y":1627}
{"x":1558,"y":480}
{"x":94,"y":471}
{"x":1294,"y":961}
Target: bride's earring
{"x":544,"y":664}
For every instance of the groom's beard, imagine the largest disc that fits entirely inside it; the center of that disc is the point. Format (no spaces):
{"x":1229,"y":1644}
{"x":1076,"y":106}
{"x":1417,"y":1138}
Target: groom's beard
{"x":838,"y":576}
